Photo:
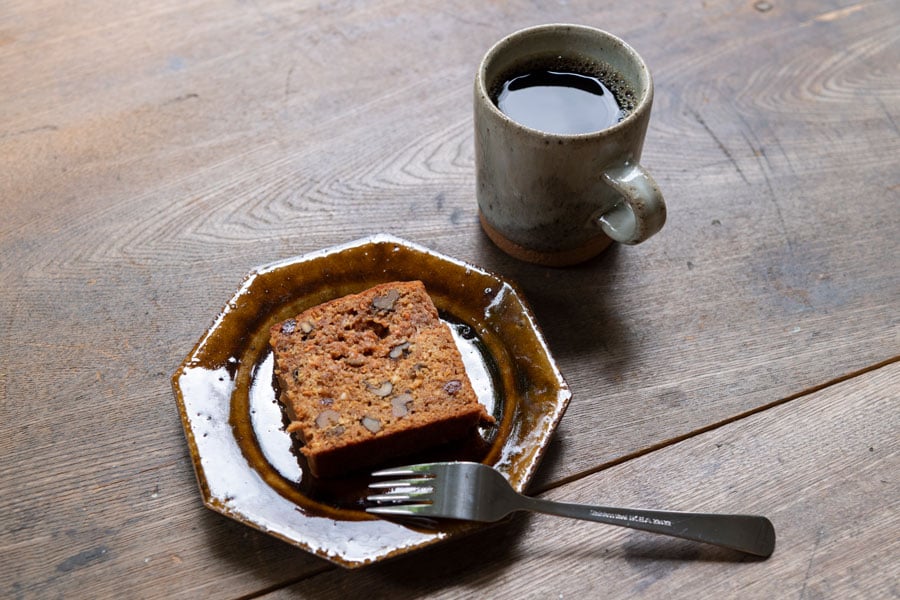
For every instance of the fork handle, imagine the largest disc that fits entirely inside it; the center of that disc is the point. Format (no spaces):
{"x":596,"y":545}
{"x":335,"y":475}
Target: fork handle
{"x":748,"y":533}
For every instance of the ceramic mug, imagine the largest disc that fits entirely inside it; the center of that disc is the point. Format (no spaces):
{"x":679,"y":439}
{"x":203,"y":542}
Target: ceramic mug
{"x":560,"y":198}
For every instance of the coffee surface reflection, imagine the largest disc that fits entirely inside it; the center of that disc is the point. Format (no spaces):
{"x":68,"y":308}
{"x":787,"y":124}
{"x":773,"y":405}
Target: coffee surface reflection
{"x":561,"y":102}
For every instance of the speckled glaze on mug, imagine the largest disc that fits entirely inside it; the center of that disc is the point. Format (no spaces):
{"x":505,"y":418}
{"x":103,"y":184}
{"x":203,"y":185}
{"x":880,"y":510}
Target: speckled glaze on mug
{"x":560,"y":199}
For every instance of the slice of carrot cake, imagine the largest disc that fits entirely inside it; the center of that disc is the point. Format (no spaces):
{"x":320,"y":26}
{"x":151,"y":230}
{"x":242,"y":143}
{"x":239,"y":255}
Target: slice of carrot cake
{"x":372,"y":376}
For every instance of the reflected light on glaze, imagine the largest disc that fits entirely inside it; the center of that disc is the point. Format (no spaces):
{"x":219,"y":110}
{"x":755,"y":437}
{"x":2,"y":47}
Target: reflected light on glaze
{"x":207,"y":398}
{"x":266,"y":417}
{"x":476,"y":367}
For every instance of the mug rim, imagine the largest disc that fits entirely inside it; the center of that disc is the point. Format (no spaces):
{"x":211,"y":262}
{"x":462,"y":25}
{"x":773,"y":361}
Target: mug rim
{"x":640,"y":107}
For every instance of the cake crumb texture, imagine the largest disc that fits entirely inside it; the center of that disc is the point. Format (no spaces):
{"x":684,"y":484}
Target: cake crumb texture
{"x":372,"y":376}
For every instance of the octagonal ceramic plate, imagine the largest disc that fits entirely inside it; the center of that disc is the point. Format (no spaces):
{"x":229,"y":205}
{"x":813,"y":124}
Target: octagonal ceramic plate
{"x":247,"y":465}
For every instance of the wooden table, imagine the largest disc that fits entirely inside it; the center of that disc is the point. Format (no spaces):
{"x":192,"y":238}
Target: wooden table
{"x":744,"y":360}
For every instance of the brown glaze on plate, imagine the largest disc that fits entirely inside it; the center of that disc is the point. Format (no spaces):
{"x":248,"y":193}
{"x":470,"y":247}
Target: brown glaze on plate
{"x":247,"y":466}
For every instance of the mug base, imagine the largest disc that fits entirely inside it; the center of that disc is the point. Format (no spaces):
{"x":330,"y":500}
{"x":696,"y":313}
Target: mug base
{"x":563,"y":258}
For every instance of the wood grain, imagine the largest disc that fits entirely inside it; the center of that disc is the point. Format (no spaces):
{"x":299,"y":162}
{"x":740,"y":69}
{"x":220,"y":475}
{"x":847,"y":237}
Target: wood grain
{"x":152,"y":153}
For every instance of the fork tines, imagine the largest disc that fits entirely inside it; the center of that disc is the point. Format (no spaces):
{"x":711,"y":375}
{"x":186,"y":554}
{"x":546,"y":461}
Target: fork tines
{"x":404,"y":496}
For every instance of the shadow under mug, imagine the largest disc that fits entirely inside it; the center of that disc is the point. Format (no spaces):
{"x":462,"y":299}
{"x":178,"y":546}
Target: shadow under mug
{"x":560,"y":199}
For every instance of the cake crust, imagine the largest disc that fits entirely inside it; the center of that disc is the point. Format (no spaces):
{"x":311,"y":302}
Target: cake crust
{"x":371,"y":376}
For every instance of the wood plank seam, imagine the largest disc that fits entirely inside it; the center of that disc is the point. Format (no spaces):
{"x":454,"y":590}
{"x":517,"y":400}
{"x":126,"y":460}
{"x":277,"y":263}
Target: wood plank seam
{"x":713,"y":426}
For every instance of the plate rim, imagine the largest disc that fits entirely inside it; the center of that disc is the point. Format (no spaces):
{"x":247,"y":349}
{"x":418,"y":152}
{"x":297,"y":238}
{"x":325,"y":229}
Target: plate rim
{"x":191,"y":361}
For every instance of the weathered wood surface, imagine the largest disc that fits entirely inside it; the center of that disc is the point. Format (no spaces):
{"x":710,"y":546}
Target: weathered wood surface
{"x":152,"y":153}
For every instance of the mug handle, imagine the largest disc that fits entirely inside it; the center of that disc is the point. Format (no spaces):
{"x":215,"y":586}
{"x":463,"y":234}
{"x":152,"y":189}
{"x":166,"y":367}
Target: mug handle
{"x":642,"y":210}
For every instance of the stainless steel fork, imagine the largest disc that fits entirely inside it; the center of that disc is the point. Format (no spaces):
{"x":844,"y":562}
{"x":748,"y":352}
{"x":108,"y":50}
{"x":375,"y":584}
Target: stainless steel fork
{"x":476,"y":492}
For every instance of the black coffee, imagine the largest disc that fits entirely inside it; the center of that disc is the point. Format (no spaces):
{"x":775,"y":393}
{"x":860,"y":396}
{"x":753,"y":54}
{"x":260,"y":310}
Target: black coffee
{"x":565,"y":101}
